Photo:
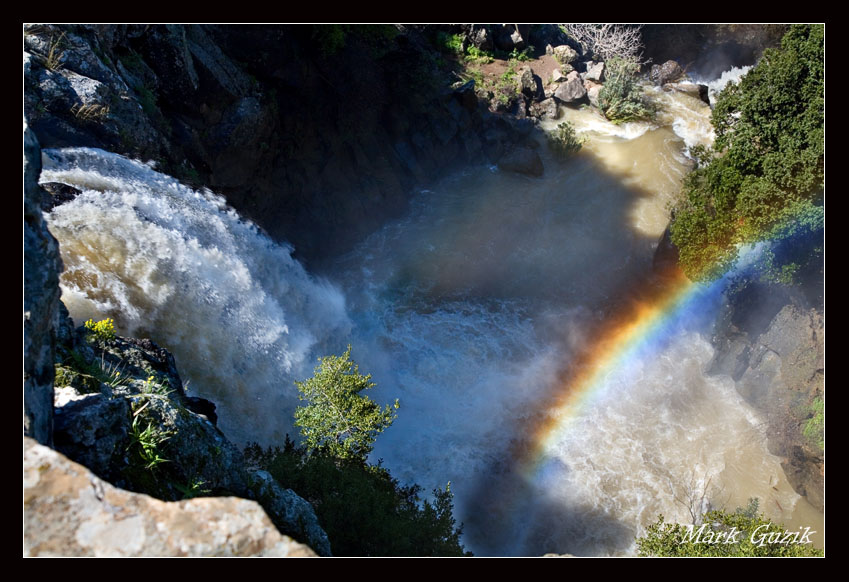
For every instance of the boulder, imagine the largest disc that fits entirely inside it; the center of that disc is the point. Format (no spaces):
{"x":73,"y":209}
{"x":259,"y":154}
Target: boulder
{"x":545,"y":109}
{"x":57,"y":193}
{"x":666,"y":73}
{"x":531,"y":85}
{"x":593,"y":89}
{"x":696,"y":90}
{"x":565,"y":54}
{"x":480,"y":37}
{"x":595,"y":72}
{"x":557,"y":76}
{"x":571,"y":91}
{"x":522,"y":160}
{"x":510,"y":37}
{"x":466,"y":96}
{"x":68,"y":511}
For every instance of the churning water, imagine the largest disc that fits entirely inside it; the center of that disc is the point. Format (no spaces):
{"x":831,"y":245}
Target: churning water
{"x":471,"y":311}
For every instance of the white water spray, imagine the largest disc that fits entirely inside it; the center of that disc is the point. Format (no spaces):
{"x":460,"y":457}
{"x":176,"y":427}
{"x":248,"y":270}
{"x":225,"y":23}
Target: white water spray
{"x":242,"y":317}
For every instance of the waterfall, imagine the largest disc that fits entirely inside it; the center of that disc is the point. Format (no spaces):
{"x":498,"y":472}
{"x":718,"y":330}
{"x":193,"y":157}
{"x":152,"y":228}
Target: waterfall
{"x":242,"y":317}
{"x":471,"y":310}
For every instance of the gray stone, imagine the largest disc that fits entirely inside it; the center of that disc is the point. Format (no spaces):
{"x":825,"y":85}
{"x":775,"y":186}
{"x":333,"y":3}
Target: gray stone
{"x":287,"y":507}
{"x":545,"y":109}
{"x":565,"y":54}
{"x":42,"y":265}
{"x":91,"y":429}
{"x":571,"y":91}
{"x":481,"y":38}
{"x":70,"y":512}
{"x":595,"y":72}
{"x":593,"y":89}
{"x":666,"y":73}
{"x":531,"y":85}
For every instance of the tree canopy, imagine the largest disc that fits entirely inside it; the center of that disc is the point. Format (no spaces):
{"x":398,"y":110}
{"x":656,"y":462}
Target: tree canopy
{"x":339,"y":419}
{"x":767,"y":165}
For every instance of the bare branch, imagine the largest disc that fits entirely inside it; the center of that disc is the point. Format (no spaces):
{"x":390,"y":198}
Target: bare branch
{"x":609,"y":40}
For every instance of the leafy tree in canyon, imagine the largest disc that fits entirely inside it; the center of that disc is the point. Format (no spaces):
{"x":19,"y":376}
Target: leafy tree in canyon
{"x":363,"y":509}
{"x":338,"y":418}
{"x":764,"y":179}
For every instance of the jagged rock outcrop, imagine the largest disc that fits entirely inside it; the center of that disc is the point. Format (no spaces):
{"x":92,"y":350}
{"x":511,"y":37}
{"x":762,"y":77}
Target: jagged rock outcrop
{"x":42,"y":265}
{"x":666,"y":73}
{"x":68,"y":511}
{"x":122,"y":412}
{"x":572,"y":90}
{"x":770,"y":339}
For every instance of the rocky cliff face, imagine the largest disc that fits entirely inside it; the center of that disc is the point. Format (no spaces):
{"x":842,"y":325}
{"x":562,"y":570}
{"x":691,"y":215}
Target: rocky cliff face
{"x":318,"y":134}
{"x":770,"y":340}
{"x":42,"y":265}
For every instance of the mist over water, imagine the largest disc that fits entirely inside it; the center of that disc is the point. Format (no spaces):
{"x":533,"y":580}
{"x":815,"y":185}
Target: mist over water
{"x":468,"y":310}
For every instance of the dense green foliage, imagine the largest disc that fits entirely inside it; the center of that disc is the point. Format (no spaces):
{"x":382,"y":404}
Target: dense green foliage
{"x":766,"y":177}
{"x":364,"y":511}
{"x":744,"y":532}
{"x":621,"y":98}
{"x":338,"y":418}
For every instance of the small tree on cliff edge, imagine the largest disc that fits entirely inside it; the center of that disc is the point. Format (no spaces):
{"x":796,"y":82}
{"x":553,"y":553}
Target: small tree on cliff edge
{"x":339,"y":419}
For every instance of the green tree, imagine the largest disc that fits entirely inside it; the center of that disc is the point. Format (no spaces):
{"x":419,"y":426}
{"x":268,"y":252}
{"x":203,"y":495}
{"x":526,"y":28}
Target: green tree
{"x":339,"y":419}
{"x":767,"y":168}
{"x":743,"y":532}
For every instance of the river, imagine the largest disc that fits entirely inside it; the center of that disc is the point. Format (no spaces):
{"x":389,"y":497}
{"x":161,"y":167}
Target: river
{"x":541,"y":366}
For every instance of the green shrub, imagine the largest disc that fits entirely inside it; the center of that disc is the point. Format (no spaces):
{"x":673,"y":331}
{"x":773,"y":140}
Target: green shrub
{"x":814,"y":427}
{"x":621,"y":97}
{"x":767,"y":169}
{"x":564,"y":140}
{"x":743,"y":532}
{"x":364,"y":511}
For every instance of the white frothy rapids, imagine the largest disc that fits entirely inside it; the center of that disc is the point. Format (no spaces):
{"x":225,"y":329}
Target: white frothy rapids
{"x":243,"y":319}
{"x":466,"y":311}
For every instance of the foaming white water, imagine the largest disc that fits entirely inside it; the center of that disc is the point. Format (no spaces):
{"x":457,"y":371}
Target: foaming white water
{"x":661,"y":437}
{"x":466,"y":310}
{"x":242,"y":317}
{"x":715,"y":86}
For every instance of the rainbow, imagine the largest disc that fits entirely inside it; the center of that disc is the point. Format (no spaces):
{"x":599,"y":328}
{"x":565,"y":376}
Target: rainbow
{"x":636,"y":330}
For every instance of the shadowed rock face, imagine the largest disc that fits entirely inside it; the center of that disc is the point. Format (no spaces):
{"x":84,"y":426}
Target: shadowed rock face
{"x":42,"y":266}
{"x":771,"y":341}
{"x":318,"y":149}
{"x":71,"y":512}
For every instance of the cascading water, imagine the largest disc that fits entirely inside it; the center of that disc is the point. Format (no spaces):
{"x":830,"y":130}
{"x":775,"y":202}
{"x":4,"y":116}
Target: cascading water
{"x":241,"y":315}
{"x":499,"y":312}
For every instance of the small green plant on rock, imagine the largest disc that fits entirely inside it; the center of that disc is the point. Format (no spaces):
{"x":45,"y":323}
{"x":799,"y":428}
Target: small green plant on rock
{"x":147,"y":441}
{"x":564,"y":140}
{"x":814,"y":427}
